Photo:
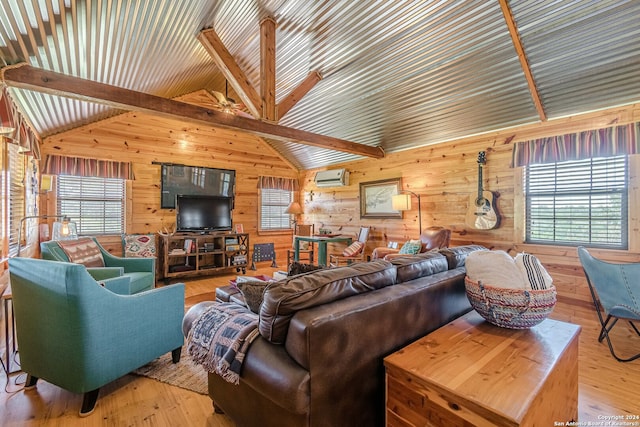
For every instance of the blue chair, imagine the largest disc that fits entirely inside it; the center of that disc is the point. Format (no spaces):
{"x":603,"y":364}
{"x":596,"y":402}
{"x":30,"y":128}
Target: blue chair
{"x":140,"y":271}
{"x":78,"y":335}
{"x":615,"y":289}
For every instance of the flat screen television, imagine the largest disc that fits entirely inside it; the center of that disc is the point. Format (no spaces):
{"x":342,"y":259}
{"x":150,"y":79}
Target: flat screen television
{"x":203,"y":213}
{"x":194,"y":181}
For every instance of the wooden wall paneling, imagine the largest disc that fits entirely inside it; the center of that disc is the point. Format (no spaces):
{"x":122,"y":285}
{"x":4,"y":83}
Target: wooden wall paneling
{"x":143,"y":139}
{"x":445,"y":176}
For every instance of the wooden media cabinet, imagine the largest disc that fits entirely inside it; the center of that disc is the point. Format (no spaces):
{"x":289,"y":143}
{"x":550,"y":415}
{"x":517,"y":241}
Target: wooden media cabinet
{"x":198,"y":254}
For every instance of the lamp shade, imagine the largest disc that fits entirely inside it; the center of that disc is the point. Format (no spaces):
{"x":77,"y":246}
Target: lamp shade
{"x":294,"y":209}
{"x":401,"y":202}
{"x":45,"y":183}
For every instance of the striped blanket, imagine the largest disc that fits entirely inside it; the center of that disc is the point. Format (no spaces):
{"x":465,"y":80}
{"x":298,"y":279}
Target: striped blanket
{"x":220,"y":337}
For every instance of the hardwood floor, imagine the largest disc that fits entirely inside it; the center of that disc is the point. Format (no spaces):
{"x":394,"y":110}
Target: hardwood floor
{"x":607,"y":387}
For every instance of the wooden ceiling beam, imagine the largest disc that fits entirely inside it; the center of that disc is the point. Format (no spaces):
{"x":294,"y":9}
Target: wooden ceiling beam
{"x":231,"y":71}
{"x":524,"y":62}
{"x":268,"y":69}
{"x":298,"y":93}
{"x":49,"y":82}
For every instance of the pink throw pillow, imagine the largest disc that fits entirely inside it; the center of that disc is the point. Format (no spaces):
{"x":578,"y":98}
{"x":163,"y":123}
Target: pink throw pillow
{"x":353,"y":249}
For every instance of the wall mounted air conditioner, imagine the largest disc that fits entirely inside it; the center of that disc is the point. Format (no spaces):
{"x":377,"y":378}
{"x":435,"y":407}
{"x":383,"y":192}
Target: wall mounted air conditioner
{"x":332,"y":178}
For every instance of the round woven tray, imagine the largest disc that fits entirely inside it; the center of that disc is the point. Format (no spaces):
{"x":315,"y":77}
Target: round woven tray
{"x":510,"y":308}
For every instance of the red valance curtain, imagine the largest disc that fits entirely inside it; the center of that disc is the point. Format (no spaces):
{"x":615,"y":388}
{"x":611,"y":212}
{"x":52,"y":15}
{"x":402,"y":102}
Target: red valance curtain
{"x":79,"y":166}
{"x":21,"y":130}
{"x":605,"y":142}
{"x":276,"y":183}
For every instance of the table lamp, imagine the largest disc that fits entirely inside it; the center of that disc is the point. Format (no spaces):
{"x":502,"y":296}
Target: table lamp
{"x":294,"y":209}
{"x":66,"y":228}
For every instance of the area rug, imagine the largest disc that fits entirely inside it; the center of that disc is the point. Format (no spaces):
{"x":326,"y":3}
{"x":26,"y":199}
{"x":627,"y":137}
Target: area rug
{"x":184,"y":374}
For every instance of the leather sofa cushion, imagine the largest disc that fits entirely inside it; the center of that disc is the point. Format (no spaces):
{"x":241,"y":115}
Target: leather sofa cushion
{"x":224,"y":293}
{"x":282,"y":301}
{"x":323,"y":335}
{"x":458,"y":254}
{"x":415,"y":266}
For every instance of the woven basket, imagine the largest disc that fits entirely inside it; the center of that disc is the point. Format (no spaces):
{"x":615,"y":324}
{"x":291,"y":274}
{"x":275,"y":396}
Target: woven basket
{"x":510,"y":308}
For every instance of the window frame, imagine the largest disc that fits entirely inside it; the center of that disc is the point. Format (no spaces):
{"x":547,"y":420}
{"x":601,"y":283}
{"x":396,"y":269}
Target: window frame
{"x":261,"y":203}
{"x":627,"y":240}
{"x":78,"y":218}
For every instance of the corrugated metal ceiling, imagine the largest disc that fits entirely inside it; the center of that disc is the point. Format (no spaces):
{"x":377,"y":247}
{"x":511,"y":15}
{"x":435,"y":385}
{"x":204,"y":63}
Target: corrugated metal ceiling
{"x":398,"y":74}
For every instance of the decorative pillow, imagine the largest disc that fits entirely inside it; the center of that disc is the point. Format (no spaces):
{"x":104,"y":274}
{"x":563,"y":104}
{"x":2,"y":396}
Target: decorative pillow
{"x":83,"y":251}
{"x":139,"y":245}
{"x":353,"y":249}
{"x":494,"y":268}
{"x":534,"y":274}
{"x":253,"y":293}
{"x":411,"y":247}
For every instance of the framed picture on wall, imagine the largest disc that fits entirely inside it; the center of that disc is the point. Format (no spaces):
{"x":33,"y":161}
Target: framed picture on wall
{"x":375,"y":198}
{"x":239,"y":228}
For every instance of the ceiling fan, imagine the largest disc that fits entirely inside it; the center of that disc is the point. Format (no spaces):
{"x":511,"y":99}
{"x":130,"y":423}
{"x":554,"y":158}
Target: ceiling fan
{"x":228,"y":105}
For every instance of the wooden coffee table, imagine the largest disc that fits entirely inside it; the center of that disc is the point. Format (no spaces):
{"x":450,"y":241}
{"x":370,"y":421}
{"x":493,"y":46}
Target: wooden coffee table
{"x":472,"y":373}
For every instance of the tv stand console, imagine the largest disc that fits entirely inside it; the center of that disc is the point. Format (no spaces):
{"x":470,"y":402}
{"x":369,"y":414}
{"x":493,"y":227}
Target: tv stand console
{"x":196,"y":254}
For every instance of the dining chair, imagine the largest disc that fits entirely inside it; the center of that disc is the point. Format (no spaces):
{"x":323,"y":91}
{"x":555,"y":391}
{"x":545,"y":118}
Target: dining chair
{"x":306,"y":252}
{"x":355,"y":252}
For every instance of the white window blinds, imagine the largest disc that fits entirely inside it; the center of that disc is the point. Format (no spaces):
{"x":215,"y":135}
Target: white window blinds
{"x":578,"y":202}
{"x":16,"y":193}
{"x":273,"y":203}
{"x":96,"y":205}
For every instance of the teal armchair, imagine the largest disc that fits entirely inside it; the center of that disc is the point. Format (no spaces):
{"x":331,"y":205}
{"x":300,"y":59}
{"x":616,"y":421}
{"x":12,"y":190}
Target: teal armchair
{"x":78,"y":335}
{"x":140,"y":271}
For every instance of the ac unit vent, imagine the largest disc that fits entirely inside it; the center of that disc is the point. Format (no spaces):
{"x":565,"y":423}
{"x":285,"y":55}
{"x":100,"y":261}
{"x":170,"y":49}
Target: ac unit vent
{"x":332,"y":178}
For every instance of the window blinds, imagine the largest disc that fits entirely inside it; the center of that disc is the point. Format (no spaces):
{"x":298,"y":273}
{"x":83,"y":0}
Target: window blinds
{"x":96,"y":205}
{"x":578,"y":202}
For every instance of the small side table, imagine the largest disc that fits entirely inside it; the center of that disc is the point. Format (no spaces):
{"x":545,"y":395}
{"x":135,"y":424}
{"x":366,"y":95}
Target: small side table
{"x":472,"y":373}
{"x":9,"y":328}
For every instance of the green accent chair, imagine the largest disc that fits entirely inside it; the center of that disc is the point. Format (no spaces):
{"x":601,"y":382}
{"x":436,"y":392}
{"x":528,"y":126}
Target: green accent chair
{"x":140,"y":271}
{"x":78,"y":335}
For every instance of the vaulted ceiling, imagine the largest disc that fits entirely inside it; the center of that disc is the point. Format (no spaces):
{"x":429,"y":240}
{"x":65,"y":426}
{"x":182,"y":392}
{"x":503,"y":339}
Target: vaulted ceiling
{"x":395,"y":74}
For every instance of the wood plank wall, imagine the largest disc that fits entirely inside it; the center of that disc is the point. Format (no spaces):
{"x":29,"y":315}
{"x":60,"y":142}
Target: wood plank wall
{"x":445,"y":175}
{"x":143,"y":139}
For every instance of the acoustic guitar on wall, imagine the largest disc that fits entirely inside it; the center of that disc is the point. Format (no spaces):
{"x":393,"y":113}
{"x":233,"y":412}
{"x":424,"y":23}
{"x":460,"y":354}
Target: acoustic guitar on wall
{"x":483,"y":213}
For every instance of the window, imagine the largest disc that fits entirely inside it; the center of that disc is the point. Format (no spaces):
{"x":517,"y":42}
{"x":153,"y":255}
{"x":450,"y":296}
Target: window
{"x":13,"y":197}
{"x":273,"y":203}
{"x":581,"y":202}
{"x":96,"y":205}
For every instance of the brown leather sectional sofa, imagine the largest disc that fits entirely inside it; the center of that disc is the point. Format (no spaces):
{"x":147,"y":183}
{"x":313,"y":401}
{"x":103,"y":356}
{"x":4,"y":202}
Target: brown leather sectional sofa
{"x":324,"y":334}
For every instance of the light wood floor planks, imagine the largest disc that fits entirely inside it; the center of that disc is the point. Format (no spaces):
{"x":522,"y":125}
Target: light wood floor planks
{"x":607,"y":387}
